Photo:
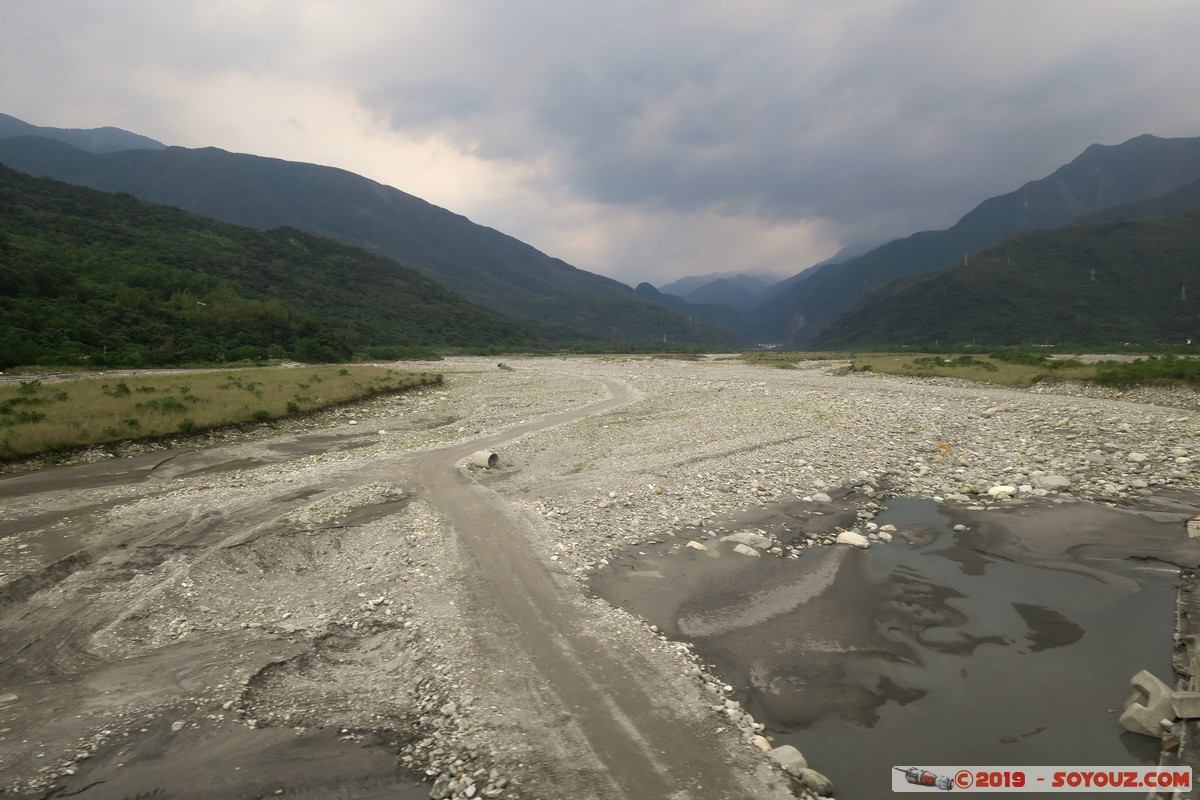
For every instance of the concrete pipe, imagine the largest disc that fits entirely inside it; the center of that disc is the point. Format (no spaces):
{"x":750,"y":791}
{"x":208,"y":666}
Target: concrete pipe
{"x":487,"y":459}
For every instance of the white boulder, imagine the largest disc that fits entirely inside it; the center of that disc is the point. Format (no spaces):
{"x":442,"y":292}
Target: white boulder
{"x":853,"y":538}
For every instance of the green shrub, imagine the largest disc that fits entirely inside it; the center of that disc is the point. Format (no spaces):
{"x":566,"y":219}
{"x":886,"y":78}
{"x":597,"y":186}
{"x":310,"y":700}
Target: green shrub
{"x":401,"y":353}
{"x":1153,"y":370}
{"x":168,"y":403}
{"x":1016,"y":355}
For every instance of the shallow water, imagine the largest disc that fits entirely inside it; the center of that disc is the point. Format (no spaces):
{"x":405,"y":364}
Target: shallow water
{"x":1047,"y":695}
{"x":933,"y":653}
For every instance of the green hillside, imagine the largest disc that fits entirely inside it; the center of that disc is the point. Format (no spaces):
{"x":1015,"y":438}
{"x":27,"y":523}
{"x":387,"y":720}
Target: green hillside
{"x":95,"y":278}
{"x":1134,"y":281}
{"x":1102,"y":177}
{"x":1182,"y":199}
{"x":478,"y":263}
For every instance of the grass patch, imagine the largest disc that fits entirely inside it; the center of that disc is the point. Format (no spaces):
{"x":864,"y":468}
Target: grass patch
{"x":1155,"y":370}
{"x":989,"y":368}
{"x":786,"y":359}
{"x":1023,"y":368}
{"x":38,"y":417}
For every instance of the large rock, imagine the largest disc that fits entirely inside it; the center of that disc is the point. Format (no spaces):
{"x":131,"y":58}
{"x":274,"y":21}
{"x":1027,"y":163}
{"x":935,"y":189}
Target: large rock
{"x":441,"y":789}
{"x":815,"y":782}
{"x":746,"y":550}
{"x":854,"y":538}
{"x":790,"y":759}
{"x":1054,"y":482}
{"x":749,"y":539}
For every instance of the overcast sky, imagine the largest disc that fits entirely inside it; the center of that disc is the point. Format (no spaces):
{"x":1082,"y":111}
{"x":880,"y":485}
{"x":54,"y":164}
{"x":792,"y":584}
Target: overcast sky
{"x":644,"y":141}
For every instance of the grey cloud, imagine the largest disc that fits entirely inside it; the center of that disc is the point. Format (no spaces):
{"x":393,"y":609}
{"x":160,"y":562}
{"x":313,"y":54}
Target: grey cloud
{"x":901,"y":116}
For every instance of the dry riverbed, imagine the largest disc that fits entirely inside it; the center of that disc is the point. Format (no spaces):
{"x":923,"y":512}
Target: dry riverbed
{"x":290,"y":612}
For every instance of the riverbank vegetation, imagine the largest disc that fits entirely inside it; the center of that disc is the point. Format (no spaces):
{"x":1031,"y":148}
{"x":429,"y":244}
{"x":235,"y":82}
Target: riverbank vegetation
{"x":1009,"y":366}
{"x":90,"y":279}
{"x":48,"y":416}
{"x":987,"y":368}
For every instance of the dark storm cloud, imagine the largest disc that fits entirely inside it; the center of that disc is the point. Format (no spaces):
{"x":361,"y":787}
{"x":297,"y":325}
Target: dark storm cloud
{"x":880,"y":116}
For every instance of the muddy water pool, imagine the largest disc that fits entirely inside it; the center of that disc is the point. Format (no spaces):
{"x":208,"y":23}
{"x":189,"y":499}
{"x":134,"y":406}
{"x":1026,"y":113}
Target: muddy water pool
{"x":930,"y":649}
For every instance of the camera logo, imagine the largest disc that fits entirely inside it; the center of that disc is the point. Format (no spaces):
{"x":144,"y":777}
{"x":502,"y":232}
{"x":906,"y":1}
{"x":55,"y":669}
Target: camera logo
{"x":923,"y":777}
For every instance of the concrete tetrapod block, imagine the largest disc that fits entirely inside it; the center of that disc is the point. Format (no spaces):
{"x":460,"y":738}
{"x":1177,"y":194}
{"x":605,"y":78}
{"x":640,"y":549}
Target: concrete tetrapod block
{"x":486,"y":459}
{"x":1148,"y":704}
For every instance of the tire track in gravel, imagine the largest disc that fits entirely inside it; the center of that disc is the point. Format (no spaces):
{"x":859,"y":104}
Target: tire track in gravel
{"x":644,"y":749}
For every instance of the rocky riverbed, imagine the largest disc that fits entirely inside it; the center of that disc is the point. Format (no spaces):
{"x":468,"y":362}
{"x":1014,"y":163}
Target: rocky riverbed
{"x":294,"y":579}
{"x":709,"y":439}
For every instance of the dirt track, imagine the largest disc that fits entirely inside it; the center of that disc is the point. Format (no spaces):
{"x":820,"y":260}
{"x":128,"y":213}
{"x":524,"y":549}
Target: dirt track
{"x":166,"y":615}
{"x":642,"y":746}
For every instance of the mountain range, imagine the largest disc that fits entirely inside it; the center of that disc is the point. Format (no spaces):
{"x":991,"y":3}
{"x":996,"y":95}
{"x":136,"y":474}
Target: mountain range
{"x":819,"y":306}
{"x":823,"y":304}
{"x":1105,"y":282}
{"x":93,"y":140}
{"x":1102,"y":177}
{"x":478,"y":263}
{"x":100,"y":278}
{"x":719,"y":315}
{"x":743,"y":291}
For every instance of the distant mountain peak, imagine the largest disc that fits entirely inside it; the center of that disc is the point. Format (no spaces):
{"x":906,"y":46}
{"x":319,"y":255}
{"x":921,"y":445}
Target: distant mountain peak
{"x":1102,"y":177}
{"x":1075,"y":285}
{"x":93,"y":140}
{"x":481,"y":264}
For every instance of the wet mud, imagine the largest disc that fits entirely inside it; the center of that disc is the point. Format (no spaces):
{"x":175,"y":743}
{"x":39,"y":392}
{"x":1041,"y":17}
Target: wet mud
{"x":80,"y":663}
{"x":230,"y":761}
{"x":166,"y":465}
